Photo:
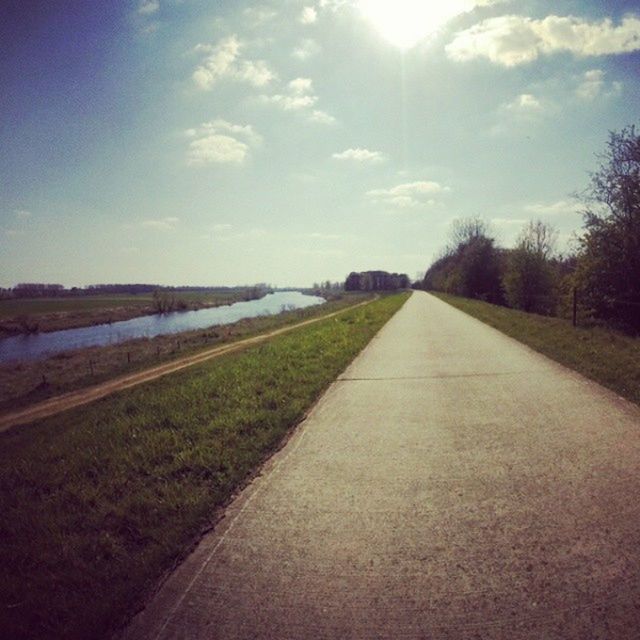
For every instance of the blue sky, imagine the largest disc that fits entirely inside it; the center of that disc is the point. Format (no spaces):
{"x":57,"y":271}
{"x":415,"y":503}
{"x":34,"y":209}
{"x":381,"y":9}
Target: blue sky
{"x":194,"y":142}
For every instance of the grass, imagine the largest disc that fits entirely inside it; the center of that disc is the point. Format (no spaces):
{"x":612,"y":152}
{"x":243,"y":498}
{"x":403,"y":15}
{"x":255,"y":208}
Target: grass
{"x":11,"y":307}
{"x":24,"y":383}
{"x":98,"y":502}
{"x":604,"y":355}
{"x":36,"y":306}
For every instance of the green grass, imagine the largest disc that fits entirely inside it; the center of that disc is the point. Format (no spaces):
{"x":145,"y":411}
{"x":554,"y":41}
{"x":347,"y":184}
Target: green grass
{"x":12,"y":307}
{"x":98,"y":502}
{"x":604,"y":355}
{"x":37,"y":306}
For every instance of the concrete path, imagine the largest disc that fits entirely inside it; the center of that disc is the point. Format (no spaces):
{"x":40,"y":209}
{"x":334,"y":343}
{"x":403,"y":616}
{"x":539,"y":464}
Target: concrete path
{"x":451,"y":484}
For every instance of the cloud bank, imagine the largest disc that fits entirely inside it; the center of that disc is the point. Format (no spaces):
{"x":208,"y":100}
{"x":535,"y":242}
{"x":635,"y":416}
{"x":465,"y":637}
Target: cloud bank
{"x":514,"y":40}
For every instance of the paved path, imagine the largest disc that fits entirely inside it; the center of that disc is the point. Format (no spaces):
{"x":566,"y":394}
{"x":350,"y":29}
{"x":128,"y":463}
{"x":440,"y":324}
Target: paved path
{"x":451,"y":484}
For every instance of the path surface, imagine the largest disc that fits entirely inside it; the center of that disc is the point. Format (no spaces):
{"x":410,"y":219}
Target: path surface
{"x":451,"y":484}
{"x":83,"y":396}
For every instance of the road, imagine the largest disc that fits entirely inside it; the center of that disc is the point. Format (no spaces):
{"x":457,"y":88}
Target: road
{"x":451,"y":484}
{"x":80,"y":397}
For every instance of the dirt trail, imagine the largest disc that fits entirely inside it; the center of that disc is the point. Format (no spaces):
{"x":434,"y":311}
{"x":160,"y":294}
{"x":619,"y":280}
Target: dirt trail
{"x":86,"y":395}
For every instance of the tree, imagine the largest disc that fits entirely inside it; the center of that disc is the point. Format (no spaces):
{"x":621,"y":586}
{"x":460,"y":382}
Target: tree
{"x":470,"y":265}
{"x":529,"y":280}
{"x":608,"y":272}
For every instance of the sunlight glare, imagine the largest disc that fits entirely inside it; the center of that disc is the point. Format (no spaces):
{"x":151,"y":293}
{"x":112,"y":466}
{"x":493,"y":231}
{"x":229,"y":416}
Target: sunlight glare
{"x":405,"y":22}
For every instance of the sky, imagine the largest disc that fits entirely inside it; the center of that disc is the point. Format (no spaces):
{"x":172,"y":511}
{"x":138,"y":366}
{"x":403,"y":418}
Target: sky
{"x":194,"y":142}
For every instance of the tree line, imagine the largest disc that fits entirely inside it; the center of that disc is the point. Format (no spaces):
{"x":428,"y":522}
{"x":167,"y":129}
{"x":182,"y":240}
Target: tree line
{"x":47,"y":290}
{"x":603,"y":268}
{"x":376,"y":281}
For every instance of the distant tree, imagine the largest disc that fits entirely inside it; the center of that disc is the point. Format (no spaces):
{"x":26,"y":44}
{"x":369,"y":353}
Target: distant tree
{"x":465,"y":231}
{"x":608,"y":271}
{"x":529,"y":277}
{"x":376,"y":281}
{"x":470,"y":266}
{"x":353,"y":282}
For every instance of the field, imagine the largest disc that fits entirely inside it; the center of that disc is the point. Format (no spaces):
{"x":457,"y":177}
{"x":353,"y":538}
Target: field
{"x":604,"y":355}
{"x":24,"y":383}
{"x":19,"y":315}
{"x":98,"y":502}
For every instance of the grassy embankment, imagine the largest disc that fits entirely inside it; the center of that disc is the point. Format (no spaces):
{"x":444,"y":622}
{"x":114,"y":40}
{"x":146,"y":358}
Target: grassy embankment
{"x":97,"y":503}
{"x":18,"y":315}
{"x":604,"y":355}
{"x":24,"y":383}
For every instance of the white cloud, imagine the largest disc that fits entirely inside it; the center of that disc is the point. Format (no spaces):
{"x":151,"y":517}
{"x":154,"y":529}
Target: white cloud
{"x":524,"y":110}
{"x":163,"y":224}
{"x":323,"y":236}
{"x":308,"y":15}
{"x":221,"y":142}
{"x":246,"y":131}
{"x":525,"y":103}
{"x":22,"y":213}
{"x":306,"y":49}
{"x":361,"y":155}
{"x":299,"y":95}
{"x":217,"y":148}
{"x":223,"y":62}
{"x":508,"y":222}
{"x":259,"y":15}
{"x":409,"y":195}
{"x":321,"y":117}
{"x":147,"y":7}
{"x":513,"y":40}
{"x":593,"y":85}
{"x":558,"y":208}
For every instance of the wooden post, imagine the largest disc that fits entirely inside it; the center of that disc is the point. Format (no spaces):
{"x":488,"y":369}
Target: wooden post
{"x":575,"y":306}
{"x":44,"y":379}
{"x":91,"y":365}
{"x":128,"y":357}
{"x":158,"y":351}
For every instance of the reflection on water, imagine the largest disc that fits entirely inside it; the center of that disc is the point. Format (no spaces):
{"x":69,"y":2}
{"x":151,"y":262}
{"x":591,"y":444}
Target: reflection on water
{"x":33,"y":346}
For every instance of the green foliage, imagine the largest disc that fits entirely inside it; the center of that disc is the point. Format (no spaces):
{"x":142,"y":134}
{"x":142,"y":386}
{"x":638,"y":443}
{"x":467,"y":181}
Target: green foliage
{"x":471,"y":265}
{"x":98,"y":502}
{"x":609,"y":266}
{"x":529,"y":278}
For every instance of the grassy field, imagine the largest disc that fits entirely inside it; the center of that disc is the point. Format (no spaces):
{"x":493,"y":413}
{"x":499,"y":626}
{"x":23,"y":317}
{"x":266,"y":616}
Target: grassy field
{"x":604,"y":355}
{"x":97,"y":503}
{"x":11,"y":307}
{"x":24,"y":383}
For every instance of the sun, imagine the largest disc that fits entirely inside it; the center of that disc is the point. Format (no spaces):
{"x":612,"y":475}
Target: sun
{"x":404,"y":23}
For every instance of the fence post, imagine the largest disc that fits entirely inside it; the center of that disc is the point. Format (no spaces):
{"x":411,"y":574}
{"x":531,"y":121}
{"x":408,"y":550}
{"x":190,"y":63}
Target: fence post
{"x":575,"y":306}
{"x":91,"y":365}
{"x":128,"y":357}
